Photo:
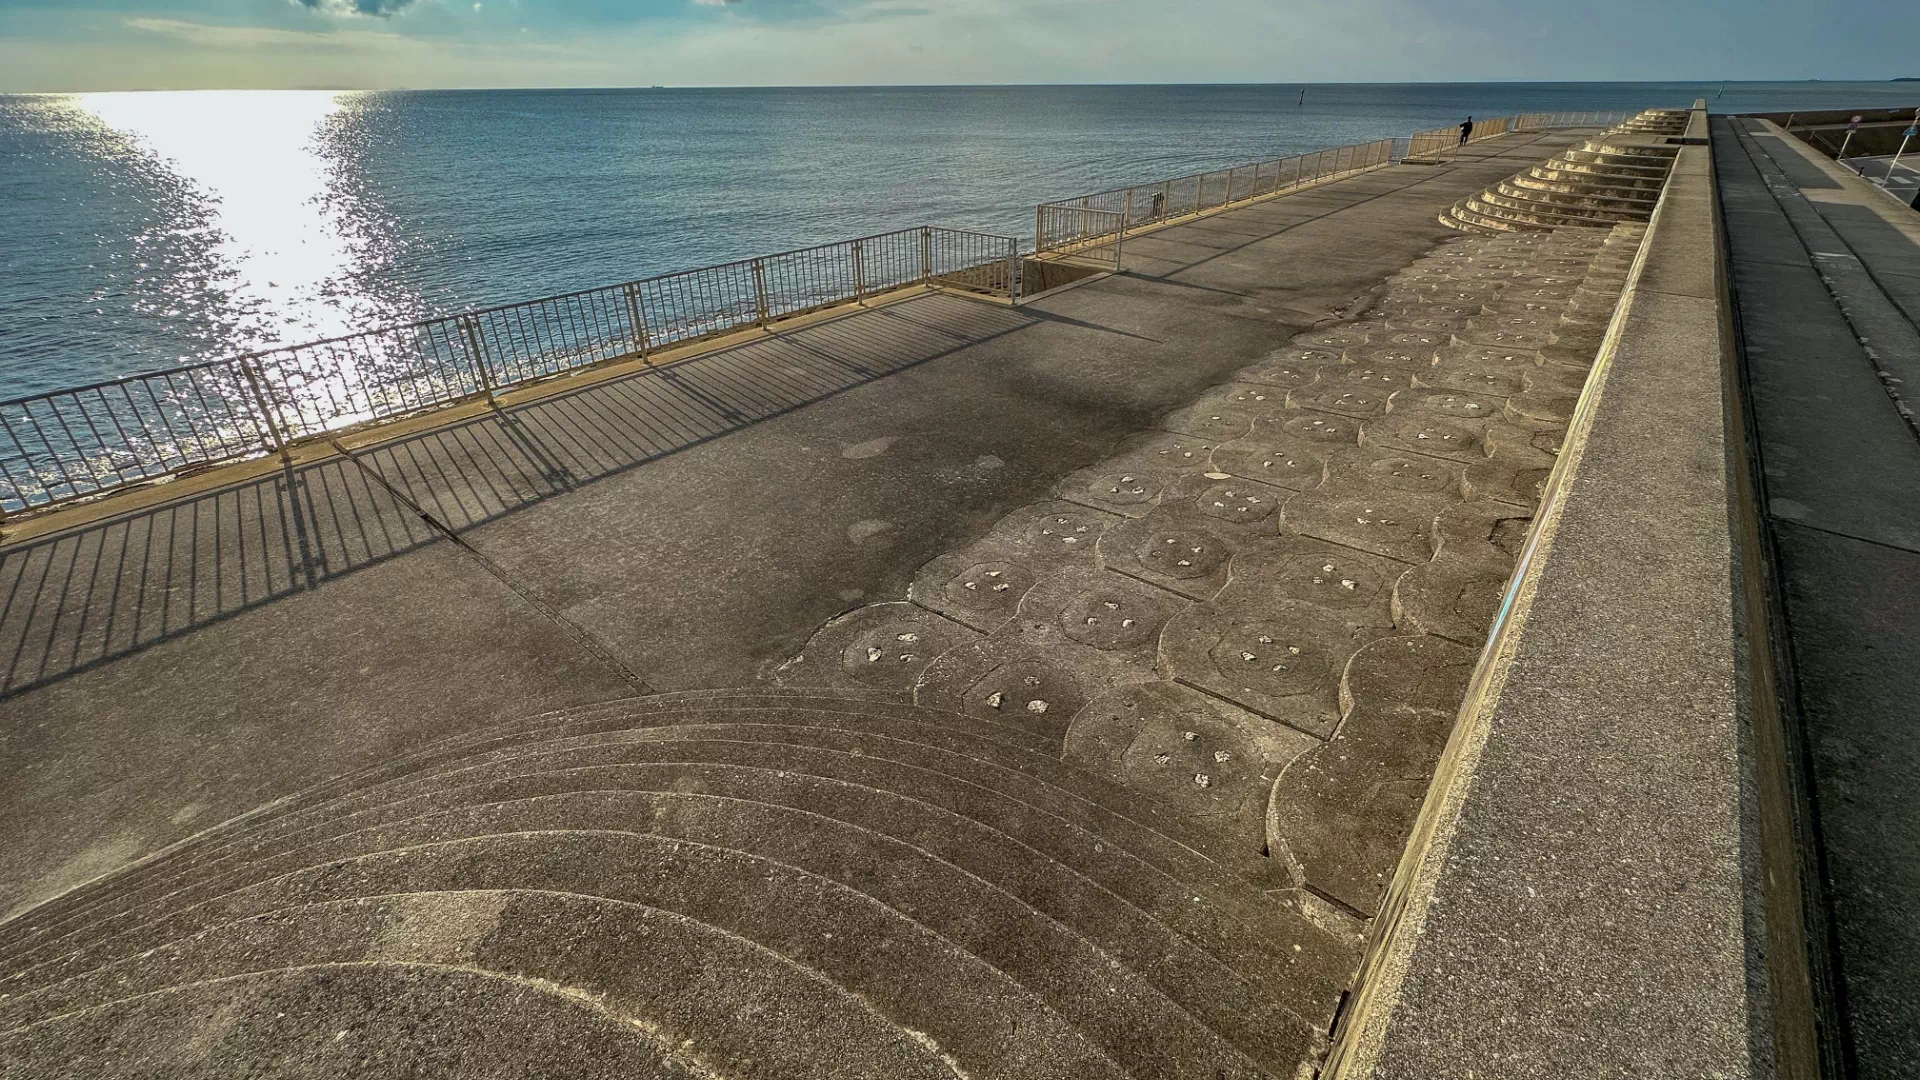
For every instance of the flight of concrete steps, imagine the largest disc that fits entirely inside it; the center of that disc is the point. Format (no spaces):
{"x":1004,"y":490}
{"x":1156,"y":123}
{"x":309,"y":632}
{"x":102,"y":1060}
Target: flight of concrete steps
{"x":1613,"y":178}
{"x":740,"y":883}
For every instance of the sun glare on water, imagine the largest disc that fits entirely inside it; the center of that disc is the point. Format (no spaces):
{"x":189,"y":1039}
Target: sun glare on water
{"x":258,"y":159}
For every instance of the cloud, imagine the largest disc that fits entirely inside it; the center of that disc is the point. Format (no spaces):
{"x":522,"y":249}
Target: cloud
{"x":380,"y":8}
{"x":209,"y":35}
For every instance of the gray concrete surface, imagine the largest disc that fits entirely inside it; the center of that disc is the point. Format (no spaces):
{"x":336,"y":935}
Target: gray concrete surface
{"x":1824,"y":272}
{"x":687,"y":527}
{"x":1168,"y":728}
{"x":1582,"y":907}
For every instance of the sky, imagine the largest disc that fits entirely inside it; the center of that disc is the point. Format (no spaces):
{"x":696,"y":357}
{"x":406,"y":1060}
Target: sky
{"x":74,"y":45}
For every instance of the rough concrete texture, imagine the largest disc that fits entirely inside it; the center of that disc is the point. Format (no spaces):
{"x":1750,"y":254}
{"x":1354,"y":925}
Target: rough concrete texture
{"x":1581,"y":910}
{"x":1265,"y":611}
{"x":733,"y":883}
{"x":1131,"y":826}
{"x":1824,"y":281}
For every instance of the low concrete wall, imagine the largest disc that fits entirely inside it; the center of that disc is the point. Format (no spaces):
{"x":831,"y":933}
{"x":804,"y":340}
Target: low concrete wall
{"x":1039,"y":275}
{"x":1586,"y":894}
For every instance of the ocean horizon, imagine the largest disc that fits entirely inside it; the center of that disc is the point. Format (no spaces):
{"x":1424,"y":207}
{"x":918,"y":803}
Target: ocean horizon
{"x":154,"y":228}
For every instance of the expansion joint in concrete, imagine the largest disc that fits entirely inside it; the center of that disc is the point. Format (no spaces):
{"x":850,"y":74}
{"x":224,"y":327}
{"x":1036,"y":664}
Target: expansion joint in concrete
{"x":579,"y":634}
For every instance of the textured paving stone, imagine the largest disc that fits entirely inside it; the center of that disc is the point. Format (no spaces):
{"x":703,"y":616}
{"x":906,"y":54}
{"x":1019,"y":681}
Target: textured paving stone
{"x":880,"y":645}
{"x":1515,"y":481}
{"x":1364,"y":468}
{"x":1211,"y":760}
{"x":1278,"y":658}
{"x":1076,"y":633}
{"x":981,"y":584}
{"x":1341,"y":811}
{"x":1395,"y":524}
{"x":1276,"y":459}
{"x":1311,"y":425}
{"x":1425,"y":433}
{"x":1263,"y":614}
{"x":1289,"y":369}
{"x":1201,"y":524}
{"x":1344,"y":398}
{"x":1133,"y":479}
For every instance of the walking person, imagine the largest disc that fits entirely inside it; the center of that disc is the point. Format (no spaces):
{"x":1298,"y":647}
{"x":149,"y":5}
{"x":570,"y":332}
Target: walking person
{"x":1466,"y":130}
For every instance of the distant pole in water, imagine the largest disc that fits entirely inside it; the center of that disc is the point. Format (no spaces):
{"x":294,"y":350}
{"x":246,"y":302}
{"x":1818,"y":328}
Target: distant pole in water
{"x":1722,"y":93}
{"x":1303,"y":96}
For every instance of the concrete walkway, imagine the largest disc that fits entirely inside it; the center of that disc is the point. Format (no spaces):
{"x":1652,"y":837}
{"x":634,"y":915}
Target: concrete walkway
{"x":1826,"y":281}
{"x":686,"y":528}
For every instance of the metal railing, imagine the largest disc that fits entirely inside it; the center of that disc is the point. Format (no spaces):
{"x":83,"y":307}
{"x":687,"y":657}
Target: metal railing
{"x":1098,"y":222}
{"x":77,"y":443}
{"x":1089,"y":232}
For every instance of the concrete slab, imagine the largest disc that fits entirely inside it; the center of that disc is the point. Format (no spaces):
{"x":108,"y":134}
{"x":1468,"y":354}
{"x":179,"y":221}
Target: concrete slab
{"x":1850,"y":604}
{"x":1820,"y":276}
{"x":193,"y":728}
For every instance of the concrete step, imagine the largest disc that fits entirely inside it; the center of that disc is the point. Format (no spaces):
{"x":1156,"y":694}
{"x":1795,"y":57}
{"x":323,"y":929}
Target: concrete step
{"x":1530,"y":216}
{"x":741,"y":1003}
{"x":1626,"y":189}
{"x":752,"y":843}
{"x":891,"y":764}
{"x":1575,"y":169}
{"x":209,"y":844}
{"x":710,"y":760}
{"x":1588,"y":199}
{"x":1500,"y":203}
{"x":893,"y":879}
{"x":349,"y":1020}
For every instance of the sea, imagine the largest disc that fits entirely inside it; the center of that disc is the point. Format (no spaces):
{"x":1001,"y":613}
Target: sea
{"x":144,"y":230}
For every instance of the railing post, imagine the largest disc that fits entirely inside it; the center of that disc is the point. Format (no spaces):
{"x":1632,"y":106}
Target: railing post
{"x":1013,"y":272}
{"x":1126,"y":212}
{"x":760,"y":293}
{"x":640,"y":343}
{"x":926,"y":256}
{"x":1117,"y":241}
{"x":1228,"y":200}
{"x":276,"y":438}
{"x":1166,"y":199}
{"x":859,"y":272}
{"x":1039,"y":229}
{"x":472,"y":331}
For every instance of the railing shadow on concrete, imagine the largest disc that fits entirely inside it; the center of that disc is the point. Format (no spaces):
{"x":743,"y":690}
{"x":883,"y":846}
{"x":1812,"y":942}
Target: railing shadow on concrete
{"x":78,"y":443}
{"x":78,"y":598}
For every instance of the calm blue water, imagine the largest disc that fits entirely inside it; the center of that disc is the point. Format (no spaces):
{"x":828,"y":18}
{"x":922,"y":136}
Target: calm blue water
{"x":145,"y":230}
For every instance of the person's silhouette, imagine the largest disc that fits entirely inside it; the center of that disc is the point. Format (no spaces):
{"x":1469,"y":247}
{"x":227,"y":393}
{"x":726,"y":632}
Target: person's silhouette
{"x":1466,"y":130}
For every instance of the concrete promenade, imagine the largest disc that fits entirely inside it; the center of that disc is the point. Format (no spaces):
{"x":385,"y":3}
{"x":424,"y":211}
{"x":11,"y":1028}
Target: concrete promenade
{"x":1825,"y":273}
{"x":1336,"y":646}
{"x":167,"y":668}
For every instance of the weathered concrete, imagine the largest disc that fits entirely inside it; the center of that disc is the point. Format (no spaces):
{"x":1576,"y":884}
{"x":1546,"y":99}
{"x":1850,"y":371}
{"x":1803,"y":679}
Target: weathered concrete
{"x":1265,"y":612}
{"x":1823,"y":270}
{"x":610,"y":539}
{"x":1581,"y":905}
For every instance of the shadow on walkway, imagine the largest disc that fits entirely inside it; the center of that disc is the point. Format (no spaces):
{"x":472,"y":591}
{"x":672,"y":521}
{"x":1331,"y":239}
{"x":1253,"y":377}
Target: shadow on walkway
{"x":74,"y":600}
